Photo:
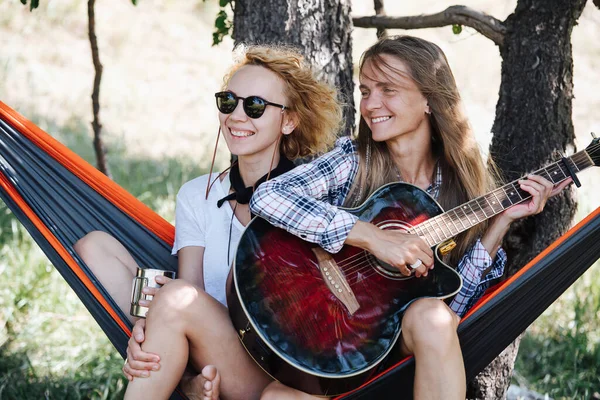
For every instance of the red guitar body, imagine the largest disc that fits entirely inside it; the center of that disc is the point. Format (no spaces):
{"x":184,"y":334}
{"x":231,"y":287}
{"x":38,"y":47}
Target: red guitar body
{"x":321,"y":322}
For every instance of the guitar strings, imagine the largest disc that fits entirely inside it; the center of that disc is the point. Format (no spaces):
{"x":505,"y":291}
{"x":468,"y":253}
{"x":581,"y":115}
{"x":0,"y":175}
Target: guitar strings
{"x":593,"y":148}
{"x":350,"y":264}
{"x":442,"y":220}
{"x":429,"y":228}
{"x":360,"y":261}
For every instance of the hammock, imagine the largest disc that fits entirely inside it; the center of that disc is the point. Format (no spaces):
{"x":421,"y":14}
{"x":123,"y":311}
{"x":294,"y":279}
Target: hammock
{"x":59,"y":198}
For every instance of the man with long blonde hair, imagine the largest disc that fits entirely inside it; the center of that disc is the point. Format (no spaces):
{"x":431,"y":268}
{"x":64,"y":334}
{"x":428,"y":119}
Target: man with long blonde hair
{"x":412,"y":129}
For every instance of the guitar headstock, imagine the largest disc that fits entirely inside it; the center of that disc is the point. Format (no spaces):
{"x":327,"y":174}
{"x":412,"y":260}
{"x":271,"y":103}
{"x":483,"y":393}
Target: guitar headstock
{"x":593,"y":150}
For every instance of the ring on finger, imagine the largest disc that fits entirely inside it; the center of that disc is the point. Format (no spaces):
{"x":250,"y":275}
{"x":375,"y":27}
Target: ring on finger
{"x":416,"y":265}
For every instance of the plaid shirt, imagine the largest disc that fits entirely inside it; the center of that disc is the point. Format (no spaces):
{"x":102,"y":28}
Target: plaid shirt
{"x":305,"y":202}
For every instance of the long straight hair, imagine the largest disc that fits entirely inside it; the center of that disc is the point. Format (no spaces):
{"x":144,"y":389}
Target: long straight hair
{"x":464,"y":174}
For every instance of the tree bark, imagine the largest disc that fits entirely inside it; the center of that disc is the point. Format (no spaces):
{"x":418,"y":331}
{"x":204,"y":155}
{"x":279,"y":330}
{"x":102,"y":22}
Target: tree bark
{"x":534,"y":112}
{"x":533,"y":124}
{"x":380,"y":10}
{"x":96,"y":125}
{"x":485,"y":24}
{"x":321,"y":29}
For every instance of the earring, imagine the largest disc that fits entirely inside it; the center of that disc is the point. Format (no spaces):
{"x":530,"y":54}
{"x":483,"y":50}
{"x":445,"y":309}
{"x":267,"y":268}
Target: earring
{"x":209,"y":184}
{"x":273,"y":157}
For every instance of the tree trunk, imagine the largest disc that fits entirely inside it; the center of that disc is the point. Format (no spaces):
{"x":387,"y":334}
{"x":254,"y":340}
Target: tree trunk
{"x":533,"y":124}
{"x":321,"y":29}
{"x":379,"y":10}
{"x":96,"y":125}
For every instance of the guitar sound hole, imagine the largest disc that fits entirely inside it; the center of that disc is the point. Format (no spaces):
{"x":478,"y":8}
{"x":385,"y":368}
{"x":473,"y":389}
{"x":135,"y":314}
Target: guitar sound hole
{"x":388,"y":270}
{"x":382,"y":267}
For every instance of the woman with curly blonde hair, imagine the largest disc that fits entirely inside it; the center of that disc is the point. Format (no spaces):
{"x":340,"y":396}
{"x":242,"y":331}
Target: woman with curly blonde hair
{"x":272,"y":110}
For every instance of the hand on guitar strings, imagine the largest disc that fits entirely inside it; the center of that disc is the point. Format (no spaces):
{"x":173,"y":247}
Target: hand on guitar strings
{"x":396,"y":248}
{"x":540,"y":190}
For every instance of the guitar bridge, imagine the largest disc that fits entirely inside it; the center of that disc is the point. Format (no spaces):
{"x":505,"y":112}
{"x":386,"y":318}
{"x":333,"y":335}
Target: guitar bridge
{"x":335,"y":280}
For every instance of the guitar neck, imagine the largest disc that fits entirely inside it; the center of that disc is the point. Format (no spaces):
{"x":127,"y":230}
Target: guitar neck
{"x":449,"y":224}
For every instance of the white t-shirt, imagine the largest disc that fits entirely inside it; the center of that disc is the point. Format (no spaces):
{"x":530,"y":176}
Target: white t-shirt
{"x":199,"y":222}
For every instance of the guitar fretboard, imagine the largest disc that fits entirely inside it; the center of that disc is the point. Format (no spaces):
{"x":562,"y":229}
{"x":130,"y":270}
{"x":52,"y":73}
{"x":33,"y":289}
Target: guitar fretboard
{"x":447,"y":225}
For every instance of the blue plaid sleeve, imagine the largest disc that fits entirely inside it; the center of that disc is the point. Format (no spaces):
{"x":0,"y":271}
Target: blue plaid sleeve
{"x":471,"y":267}
{"x":305,"y":201}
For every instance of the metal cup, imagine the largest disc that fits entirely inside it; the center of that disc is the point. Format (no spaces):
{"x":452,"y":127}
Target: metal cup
{"x":143,"y":278}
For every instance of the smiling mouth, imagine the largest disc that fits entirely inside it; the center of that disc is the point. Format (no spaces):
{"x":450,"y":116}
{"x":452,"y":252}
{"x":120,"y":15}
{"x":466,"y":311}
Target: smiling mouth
{"x":380,"y":119}
{"x":241,"y":133}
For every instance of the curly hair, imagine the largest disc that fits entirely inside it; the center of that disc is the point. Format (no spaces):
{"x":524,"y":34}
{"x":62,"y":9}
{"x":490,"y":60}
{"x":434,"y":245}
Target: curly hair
{"x":313,"y":102}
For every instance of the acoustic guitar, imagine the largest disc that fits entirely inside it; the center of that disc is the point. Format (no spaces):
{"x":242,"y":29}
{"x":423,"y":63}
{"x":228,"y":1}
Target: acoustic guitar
{"x":322,"y":322}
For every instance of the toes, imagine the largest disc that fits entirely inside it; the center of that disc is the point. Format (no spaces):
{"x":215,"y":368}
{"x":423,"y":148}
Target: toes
{"x":211,"y":383}
{"x":209,"y":372}
{"x":217,"y":380}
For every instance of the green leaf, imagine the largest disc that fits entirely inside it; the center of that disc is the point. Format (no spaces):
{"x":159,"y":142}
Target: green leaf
{"x":456,"y":29}
{"x":221,"y":21}
{"x":134,"y":2}
{"x":32,"y":4}
{"x":220,"y":24}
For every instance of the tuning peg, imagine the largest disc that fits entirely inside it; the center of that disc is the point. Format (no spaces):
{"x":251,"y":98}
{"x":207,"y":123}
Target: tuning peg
{"x":594,"y":135}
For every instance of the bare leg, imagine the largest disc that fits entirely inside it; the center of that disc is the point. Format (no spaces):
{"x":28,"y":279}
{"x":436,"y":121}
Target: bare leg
{"x":111,"y":263}
{"x":182,"y":321}
{"x":278,"y":391}
{"x":429,"y":332}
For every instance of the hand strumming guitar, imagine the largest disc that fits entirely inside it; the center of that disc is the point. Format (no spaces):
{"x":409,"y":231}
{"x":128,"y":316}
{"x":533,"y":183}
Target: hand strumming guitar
{"x":396,"y":248}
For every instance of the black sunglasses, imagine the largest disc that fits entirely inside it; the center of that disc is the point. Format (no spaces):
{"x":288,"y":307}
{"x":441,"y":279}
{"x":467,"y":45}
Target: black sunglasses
{"x":254,"y":106}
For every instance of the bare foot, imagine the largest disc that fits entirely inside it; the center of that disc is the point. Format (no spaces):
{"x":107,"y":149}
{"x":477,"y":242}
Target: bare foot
{"x":204,"y":386}
{"x":212,"y":381}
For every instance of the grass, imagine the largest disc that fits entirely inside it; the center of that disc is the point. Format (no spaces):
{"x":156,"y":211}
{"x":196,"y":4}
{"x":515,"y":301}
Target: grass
{"x":153,"y":181}
{"x":560,"y":353}
{"x":50,"y":347}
